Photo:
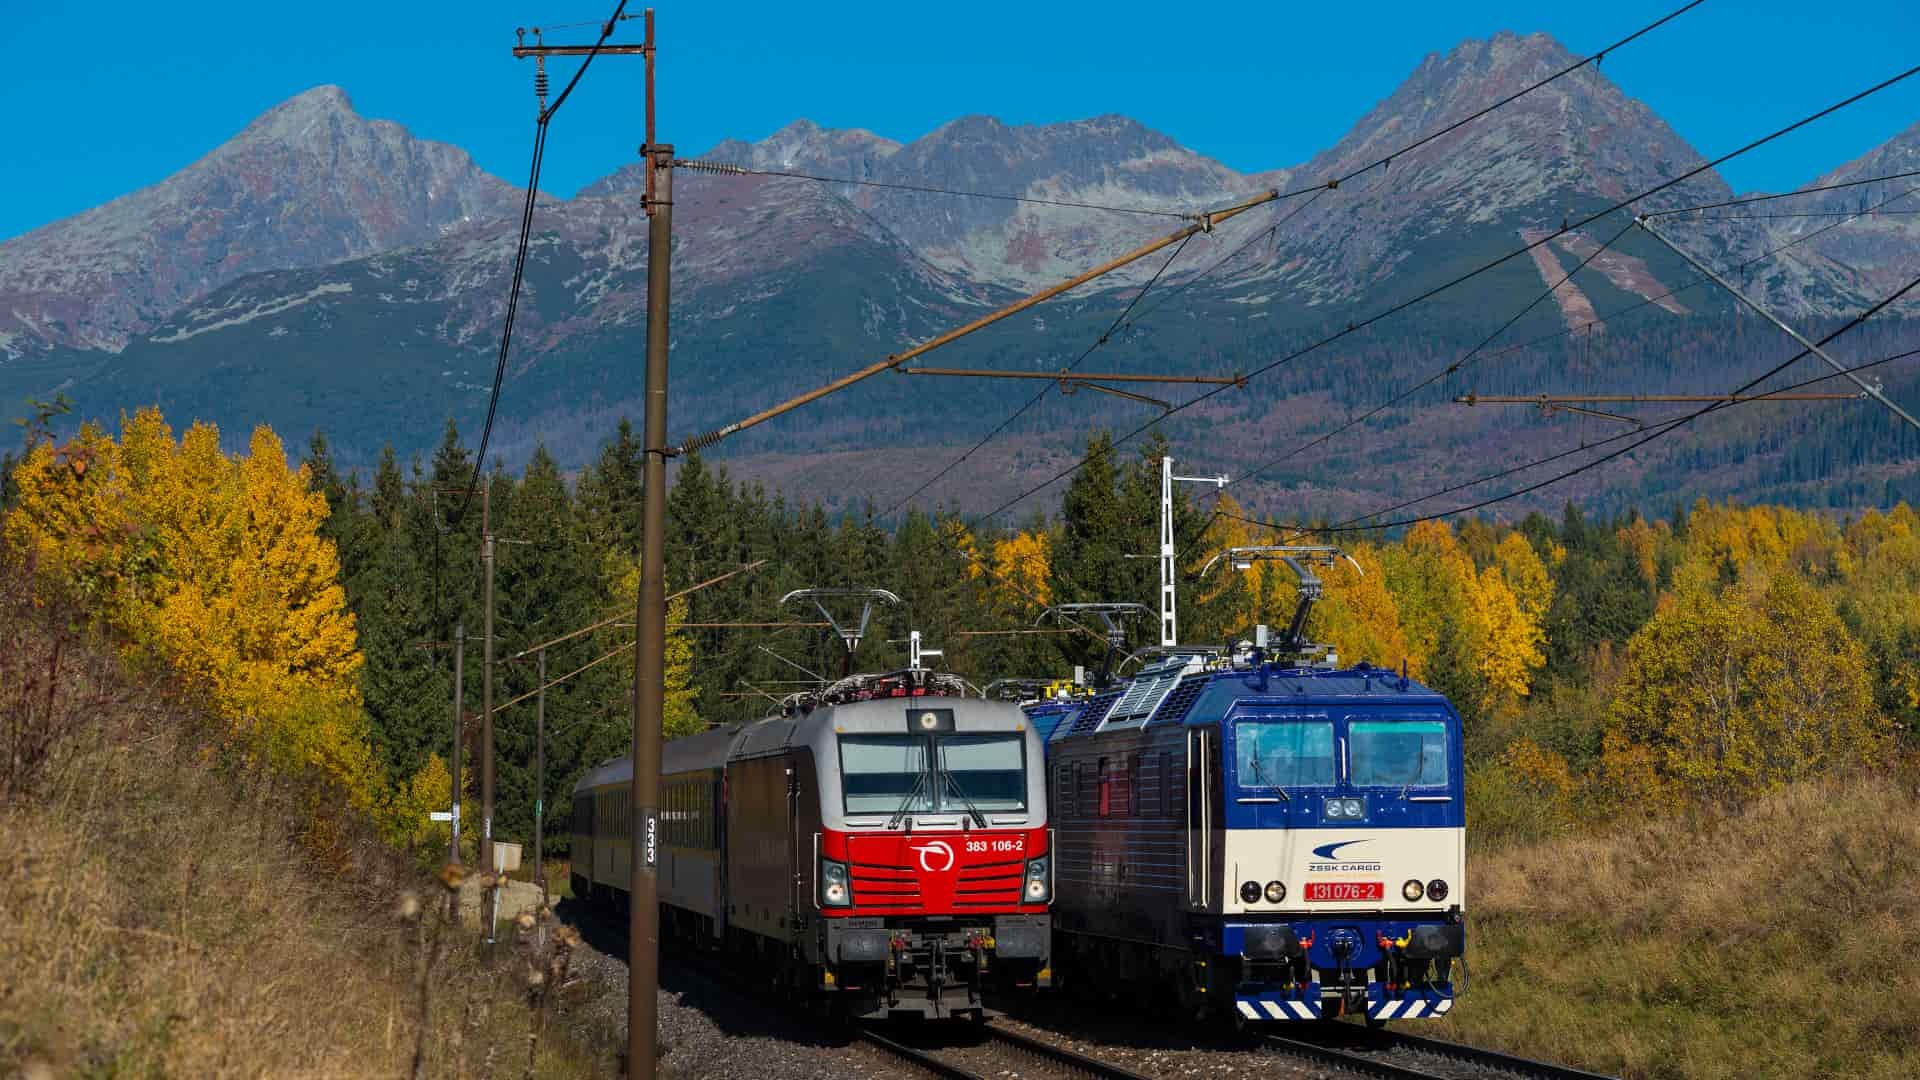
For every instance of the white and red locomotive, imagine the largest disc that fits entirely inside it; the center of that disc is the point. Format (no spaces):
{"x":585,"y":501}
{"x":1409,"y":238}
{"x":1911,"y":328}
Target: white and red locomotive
{"x":882,"y":844}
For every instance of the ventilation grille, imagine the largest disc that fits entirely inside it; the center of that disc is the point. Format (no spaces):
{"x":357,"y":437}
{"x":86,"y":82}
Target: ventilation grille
{"x":1175,"y":708}
{"x":1148,"y":690}
{"x":1094,"y":712}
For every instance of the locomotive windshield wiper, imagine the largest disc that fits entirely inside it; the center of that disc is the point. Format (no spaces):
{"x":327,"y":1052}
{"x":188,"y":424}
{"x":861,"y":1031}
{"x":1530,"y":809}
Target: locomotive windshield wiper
{"x":907,"y":803}
{"x":953,"y":782}
{"x":1418,"y":771}
{"x":1260,"y":775}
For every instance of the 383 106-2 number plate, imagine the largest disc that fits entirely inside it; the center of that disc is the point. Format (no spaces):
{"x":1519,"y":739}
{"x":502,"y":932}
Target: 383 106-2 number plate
{"x":1325,"y":892}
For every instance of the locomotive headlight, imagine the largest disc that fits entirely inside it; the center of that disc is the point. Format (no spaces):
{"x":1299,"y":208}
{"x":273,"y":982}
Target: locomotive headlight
{"x":1436,"y":890}
{"x":1276,"y":892}
{"x":835,"y":890}
{"x":1343,"y":808}
{"x":1412,"y":890}
{"x":1039,"y":887}
{"x":1249,"y":892}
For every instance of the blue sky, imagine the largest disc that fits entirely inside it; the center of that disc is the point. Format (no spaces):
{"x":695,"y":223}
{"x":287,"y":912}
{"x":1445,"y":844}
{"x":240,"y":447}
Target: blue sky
{"x":121,"y":96}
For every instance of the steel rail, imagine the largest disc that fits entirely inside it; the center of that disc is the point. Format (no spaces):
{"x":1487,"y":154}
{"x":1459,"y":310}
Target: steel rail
{"x":1346,"y":1059}
{"x":1494,"y":1059}
{"x":1060,"y":1055}
{"x":918,"y":1058}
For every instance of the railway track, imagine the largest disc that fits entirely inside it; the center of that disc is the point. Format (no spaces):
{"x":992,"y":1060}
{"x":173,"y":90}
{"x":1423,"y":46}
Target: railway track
{"x":1366,"y":1051}
{"x":998,"y":1044}
{"x":1473,"y":1055}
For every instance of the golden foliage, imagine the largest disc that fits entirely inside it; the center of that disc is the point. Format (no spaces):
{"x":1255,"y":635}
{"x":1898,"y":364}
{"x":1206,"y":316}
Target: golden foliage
{"x":1022,"y":569}
{"x":1727,"y":694}
{"x":1444,"y":599}
{"x":1358,"y":617}
{"x":212,"y":565}
{"x":681,"y":718}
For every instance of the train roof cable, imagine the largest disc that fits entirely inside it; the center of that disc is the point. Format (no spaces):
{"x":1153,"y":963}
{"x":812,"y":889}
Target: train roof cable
{"x":1353,"y":524}
{"x":1810,"y":214}
{"x":1436,"y":290}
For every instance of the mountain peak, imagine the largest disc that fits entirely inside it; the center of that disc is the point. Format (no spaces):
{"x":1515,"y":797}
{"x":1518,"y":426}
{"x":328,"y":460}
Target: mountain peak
{"x":300,"y":114}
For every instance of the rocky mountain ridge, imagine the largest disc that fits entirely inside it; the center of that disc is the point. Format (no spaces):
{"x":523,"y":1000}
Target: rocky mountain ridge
{"x":782,"y":280}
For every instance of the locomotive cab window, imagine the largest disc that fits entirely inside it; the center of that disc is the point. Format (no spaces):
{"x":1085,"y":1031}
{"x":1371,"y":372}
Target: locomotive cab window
{"x":886,"y":774}
{"x":1398,"y":753}
{"x":1284,"y":754}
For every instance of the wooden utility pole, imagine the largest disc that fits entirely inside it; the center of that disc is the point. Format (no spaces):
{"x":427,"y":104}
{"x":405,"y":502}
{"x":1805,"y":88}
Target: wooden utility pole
{"x":540,"y":780}
{"x":486,"y":703}
{"x":459,"y":730}
{"x":650,"y":617}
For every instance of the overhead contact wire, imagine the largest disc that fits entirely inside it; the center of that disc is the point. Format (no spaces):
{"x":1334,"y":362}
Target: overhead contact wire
{"x":1046,"y":388}
{"x":1666,"y":428}
{"x":1476,"y":272}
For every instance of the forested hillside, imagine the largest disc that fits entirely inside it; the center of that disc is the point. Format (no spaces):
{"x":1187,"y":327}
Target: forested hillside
{"x":1601,"y":663}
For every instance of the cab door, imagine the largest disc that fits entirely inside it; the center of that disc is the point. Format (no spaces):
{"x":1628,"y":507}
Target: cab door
{"x":1203,"y":782}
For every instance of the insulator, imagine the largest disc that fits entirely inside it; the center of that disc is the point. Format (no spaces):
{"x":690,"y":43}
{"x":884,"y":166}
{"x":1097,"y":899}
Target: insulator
{"x":710,"y":166}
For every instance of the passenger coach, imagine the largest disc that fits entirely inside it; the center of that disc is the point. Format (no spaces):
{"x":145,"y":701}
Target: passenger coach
{"x":882,"y":845}
{"x":1272,"y":841}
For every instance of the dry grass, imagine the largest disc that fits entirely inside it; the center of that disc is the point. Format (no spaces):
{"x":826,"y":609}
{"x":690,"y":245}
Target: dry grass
{"x":163,"y":911}
{"x":1773,"y":942}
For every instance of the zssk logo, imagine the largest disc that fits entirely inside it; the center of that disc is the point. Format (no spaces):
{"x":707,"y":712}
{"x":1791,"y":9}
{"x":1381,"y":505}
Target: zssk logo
{"x":932,"y":851}
{"x":1338,"y":863}
{"x":1326,"y":851}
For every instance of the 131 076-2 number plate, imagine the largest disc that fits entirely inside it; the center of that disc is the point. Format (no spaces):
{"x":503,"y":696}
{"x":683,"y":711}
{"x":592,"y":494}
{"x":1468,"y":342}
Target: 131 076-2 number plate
{"x":1344,"y":891}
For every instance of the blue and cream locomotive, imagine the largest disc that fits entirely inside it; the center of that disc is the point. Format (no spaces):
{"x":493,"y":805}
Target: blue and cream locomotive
{"x":1271,"y":837}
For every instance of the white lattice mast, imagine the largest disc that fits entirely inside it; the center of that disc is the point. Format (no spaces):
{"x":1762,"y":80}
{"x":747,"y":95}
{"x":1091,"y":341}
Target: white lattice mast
{"x":1169,"y":602}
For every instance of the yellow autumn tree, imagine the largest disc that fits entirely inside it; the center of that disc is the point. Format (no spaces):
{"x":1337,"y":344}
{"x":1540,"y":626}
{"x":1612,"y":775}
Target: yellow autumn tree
{"x":70,"y":520}
{"x":252,"y":606}
{"x":1358,"y":616}
{"x":214,"y":566}
{"x":1726,"y":694}
{"x":1471,"y":622}
{"x":1022,"y":571}
{"x":681,"y":718}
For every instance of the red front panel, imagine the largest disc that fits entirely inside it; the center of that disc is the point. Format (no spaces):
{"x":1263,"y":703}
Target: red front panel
{"x":945,"y":873}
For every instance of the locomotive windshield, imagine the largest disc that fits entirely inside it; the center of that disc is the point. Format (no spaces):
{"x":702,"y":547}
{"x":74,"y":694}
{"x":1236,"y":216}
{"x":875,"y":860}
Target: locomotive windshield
{"x":886,"y":774}
{"x":1399,"y":753}
{"x":1284,"y":754}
